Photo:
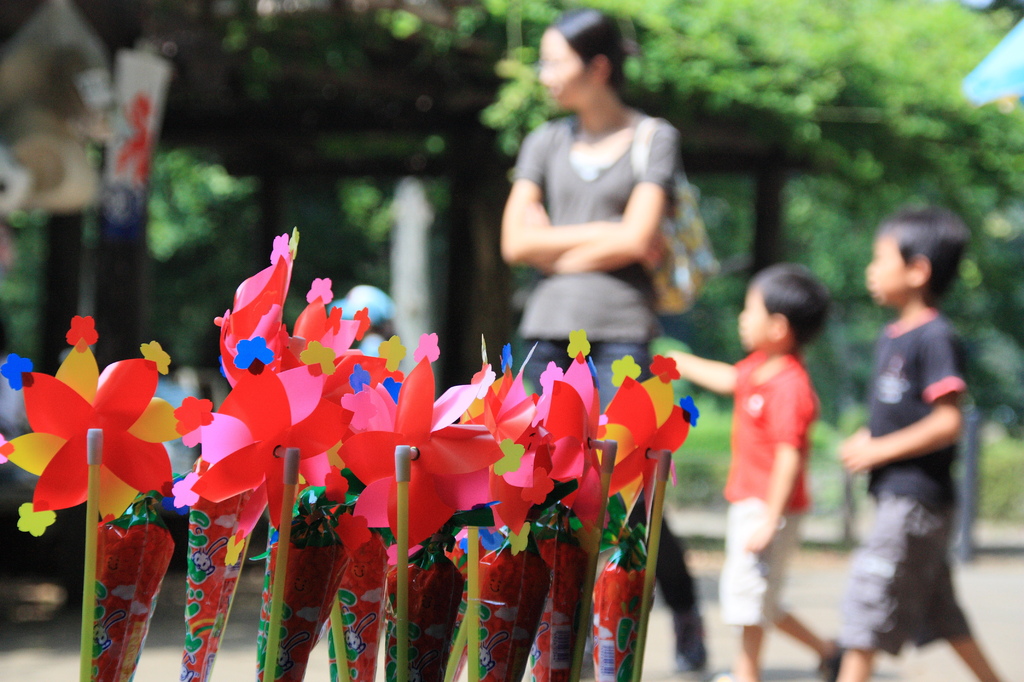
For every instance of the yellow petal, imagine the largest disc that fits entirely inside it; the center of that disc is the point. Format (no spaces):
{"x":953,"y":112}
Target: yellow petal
{"x":115,"y":495}
{"x":623,"y":437}
{"x":33,"y":451}
{"x":80,"y":372}
{"x":157,"y":423}
{"x":662,"y":396}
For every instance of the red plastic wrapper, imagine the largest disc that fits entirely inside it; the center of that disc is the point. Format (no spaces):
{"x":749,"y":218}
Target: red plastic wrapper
{"x":133,"y":553}
{"x":211,"y":582}
{"x":618,"y":594}
{"x":435,"y":591}
{"x":551,"y":656}
{"x":315,"y":562}
{"x":512,"y":593}
{"x":361,"y":594}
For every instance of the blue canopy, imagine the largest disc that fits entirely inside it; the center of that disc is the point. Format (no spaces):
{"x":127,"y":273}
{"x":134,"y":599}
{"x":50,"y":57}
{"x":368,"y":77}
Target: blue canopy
{"x":1001,"y":73}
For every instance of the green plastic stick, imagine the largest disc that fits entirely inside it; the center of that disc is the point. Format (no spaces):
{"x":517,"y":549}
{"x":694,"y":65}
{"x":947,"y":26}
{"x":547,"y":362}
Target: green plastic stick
{"x":472,"y":619}
{"x":94,"y":456}
{"x":609,"y":449}
{"x":284,"y":541}
{"x":664,"y":458}
{"x":340,"y":647}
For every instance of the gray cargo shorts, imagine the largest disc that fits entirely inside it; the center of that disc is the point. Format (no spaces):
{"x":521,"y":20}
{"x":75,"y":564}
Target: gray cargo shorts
{"x":900,"y":587}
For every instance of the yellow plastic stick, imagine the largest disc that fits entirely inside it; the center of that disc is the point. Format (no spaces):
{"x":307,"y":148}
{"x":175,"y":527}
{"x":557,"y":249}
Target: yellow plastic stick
{"x":592,"y":543}
{"x":456,"y":653}
{"x":94,"y":457}
{"x":664,"y":458}
{"x":340,"y":647}
{"x":473,"y":604}
{"x":284,"y":541}
{"x":403,"y":472}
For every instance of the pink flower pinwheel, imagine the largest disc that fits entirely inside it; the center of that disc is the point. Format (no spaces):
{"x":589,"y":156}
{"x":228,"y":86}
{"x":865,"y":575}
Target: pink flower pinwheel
{"x":120,"y":401}
{"x":258,"y":310}
{"x":244,"y":442}
{"x":641,"y":418}
{"x":442,"y":479}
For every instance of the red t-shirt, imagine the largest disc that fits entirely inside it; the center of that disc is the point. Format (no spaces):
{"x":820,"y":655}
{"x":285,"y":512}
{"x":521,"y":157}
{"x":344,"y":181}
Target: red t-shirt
{"x":778,"y":411}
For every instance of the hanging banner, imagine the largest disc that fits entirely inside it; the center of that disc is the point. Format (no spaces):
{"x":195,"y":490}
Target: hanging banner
{"x":140,"y":80}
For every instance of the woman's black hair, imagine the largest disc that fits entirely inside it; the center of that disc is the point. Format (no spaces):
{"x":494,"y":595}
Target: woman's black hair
{"x":931,"y":232}
{"x":793,"y":292}
{"x":591,"y":33}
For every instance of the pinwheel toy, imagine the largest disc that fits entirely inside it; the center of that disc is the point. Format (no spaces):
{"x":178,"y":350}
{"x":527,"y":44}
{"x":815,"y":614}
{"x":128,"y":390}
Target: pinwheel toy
{"x":61,"y":409}
{"x":447,"y":453}
{"x":257,"y":314}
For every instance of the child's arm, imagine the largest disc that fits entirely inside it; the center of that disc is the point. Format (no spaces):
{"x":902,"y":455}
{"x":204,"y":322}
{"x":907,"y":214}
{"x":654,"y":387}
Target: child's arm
{"x":713,"y":375}
{"x":785,"y":471}
{"x":941,"y":428}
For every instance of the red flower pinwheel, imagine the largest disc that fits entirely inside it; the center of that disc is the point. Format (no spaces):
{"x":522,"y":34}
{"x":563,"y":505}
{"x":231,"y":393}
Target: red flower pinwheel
{"x":641,"y":418}
{"x":257,"y":312}
{"x":569,"y":412}
{"x":447,"y":453}
{"x":244,"y":442}
{"x":62,"y":409}
{"x":521,"y":479}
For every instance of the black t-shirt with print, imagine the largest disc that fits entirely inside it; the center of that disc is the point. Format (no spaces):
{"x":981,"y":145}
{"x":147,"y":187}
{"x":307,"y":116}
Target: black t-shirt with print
{"x":912,"y":369}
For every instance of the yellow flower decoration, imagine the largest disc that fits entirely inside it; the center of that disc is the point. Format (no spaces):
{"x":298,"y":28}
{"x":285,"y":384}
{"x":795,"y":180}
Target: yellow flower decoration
{"x":234,"y":550}
{"x":318,"y":354}
{"x":154,"y":352}
{"x":578,"y":343}
{"x":513,"y":457}
{"x":518,"y":540}
{"x":393,"y":351}
{"x":624,"y":367}
{"x":33,"y":522}
{"x":293,"y":243}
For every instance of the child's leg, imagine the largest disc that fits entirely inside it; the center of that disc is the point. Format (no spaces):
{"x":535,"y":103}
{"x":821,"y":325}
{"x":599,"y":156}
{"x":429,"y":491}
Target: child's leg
{"x":970,"y":653}
{"x":792,"y":626}
{"x":747,"y":667}
{"x":857,"y":665}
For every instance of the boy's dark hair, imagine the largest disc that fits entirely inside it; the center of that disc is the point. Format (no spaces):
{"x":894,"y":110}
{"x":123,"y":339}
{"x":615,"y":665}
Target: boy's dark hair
{"x":793,"y":292}
{"x":589,"y":33}
{"x":933,"y":233}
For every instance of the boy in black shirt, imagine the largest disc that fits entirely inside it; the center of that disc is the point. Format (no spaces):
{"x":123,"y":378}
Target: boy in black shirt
{"x":900,"y":586}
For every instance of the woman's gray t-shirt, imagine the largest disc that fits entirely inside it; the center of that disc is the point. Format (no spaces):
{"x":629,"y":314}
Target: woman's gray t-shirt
{"x":610,"y":306}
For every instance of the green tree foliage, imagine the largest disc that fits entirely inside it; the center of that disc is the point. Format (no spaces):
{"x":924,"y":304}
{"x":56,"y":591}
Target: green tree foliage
{"x":864,"y":99}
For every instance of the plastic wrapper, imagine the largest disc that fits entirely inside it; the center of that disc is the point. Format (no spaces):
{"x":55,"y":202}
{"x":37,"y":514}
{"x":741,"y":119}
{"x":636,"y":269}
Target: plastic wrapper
{"x":361,"y":595}
{"x":513,"y":588}
{"x":435,"y":591}
{"x":618,"y":594}
{"x":133,"y":553}
{"x":211,"y":582}
{"x":315,"y":562}
{"x":551,"y":656}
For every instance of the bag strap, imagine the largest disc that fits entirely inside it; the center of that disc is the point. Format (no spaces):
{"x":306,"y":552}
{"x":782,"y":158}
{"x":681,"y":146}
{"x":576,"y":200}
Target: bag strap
{"x":640,"y":152}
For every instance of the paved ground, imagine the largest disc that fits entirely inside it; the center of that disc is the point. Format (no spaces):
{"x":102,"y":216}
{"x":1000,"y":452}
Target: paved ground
{"x":39,"y":647}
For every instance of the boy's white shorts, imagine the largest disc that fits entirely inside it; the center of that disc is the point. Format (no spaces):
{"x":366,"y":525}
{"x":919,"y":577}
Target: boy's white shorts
{"x":750,"y":586}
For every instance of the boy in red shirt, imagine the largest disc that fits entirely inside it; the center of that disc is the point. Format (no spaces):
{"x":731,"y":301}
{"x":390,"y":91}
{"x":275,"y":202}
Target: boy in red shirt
{"x":775,"y":405}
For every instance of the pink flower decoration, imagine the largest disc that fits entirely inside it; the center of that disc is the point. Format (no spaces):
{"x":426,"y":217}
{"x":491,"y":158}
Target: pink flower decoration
{"x":321,"y":288}
{"x":427,"y":349}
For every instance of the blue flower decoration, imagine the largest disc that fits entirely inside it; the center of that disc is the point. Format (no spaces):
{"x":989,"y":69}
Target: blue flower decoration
{"x":359,"y":378}
{"x":14,"y":368}
{"x":490,"y":539}
{"x":593,"y":372}
{"x":249,"y":350}
{"x":506,"y":357}
{"x":392,"y":387}
{"x":168,"y":504}
{"x":220,"y":364}
{"x":690,"y":408}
